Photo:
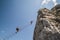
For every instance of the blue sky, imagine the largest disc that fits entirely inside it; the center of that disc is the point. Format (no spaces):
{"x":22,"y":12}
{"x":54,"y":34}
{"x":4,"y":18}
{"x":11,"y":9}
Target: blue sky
{"x":15,"y":13}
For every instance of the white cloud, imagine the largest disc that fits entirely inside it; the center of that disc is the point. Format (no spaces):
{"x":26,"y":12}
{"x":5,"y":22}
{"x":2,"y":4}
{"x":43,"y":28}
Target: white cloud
{"x":55,"y":2}
{"x":47,"y":1}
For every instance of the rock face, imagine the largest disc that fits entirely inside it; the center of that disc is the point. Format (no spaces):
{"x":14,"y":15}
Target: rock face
{"x":48,"y":24}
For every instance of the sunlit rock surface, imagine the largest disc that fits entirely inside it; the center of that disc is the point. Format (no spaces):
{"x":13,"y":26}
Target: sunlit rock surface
{"x":48,"y":24}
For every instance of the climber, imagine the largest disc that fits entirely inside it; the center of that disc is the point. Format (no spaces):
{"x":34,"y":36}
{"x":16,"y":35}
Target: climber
{"x":31,"y":22}
{"x":17,"y":29}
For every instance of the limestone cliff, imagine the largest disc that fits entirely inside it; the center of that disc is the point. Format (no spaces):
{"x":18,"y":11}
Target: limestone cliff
{"x":48,"y":24}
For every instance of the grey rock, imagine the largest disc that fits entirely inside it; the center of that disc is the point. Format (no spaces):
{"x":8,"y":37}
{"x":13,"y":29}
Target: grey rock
{"x":48,"y":24}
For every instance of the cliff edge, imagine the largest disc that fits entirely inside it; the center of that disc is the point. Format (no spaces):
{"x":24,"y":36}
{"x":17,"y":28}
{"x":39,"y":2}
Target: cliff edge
{"x":48,"y":24}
